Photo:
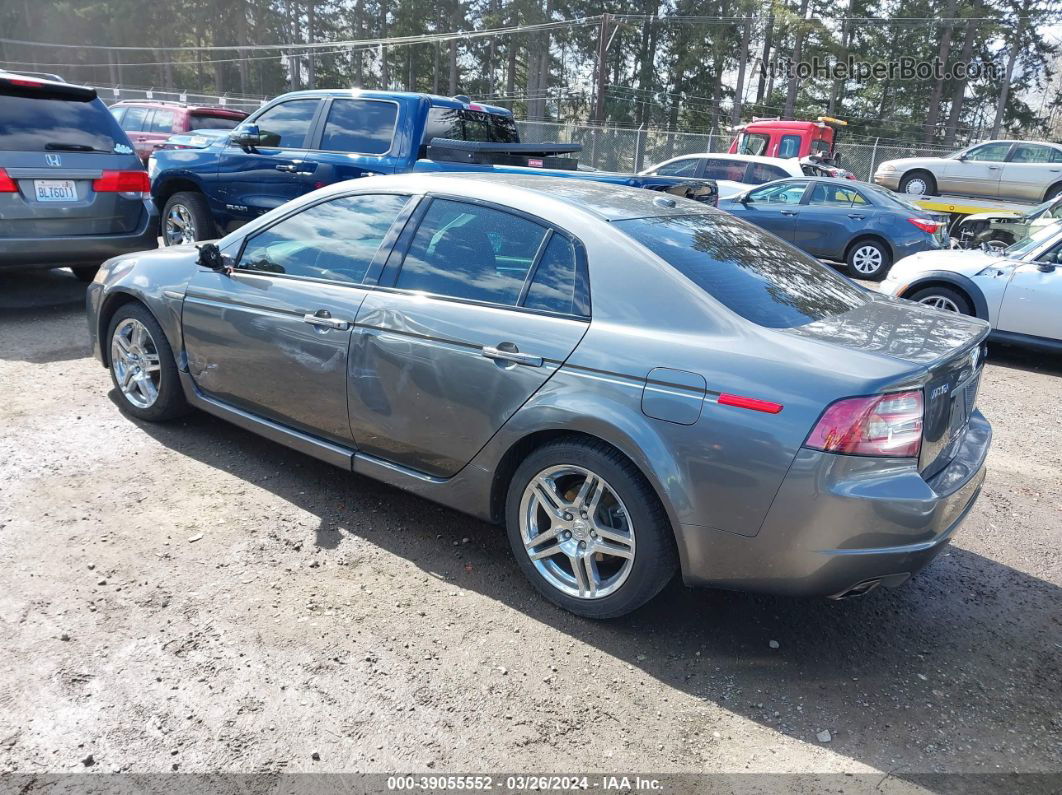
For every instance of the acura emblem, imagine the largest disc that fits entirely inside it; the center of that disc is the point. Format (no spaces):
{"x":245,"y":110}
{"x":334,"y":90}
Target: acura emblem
{"x":53,"y":160}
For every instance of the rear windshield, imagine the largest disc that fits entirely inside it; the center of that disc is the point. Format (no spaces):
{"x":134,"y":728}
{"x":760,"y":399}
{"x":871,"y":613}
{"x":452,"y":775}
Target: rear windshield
{"x":31,"y":124}
{"x":748,"y":271}
{"x":204,"y":121}
{"x":469,"y":125}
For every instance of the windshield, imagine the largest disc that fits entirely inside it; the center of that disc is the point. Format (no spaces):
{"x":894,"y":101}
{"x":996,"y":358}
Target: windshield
{"x":207,"y":121}
{"x":1020,"y":249}
{"x":752,"y":144}
{"x":44,"y":124}
{"x":469,"y":125}
{"x":750,"y":272}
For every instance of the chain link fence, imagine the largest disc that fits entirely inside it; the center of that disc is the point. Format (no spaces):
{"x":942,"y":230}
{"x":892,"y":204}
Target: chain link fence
{"x":625,"y":149}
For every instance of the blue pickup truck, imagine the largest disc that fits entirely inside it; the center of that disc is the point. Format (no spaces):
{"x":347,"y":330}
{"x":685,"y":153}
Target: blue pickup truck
{"x":210,"y":182}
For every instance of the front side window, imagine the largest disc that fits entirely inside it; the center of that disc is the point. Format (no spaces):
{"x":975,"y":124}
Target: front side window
{"x":361,"y":126}
{"x":134,"y":119}
{"x":334,"y":240}
{"x":747,"y":270}
{"x":752,"y":144}
{"x":789,"y":146}
{"x":286,"y":125}
{"x":759,"y":173}
{"x":993,"y":153}
{"x":687,"y":167}
{"x":471,"y":252}
{"x":162,"y":122}
{"x":782,"y":193}
{"x":721,"y":168}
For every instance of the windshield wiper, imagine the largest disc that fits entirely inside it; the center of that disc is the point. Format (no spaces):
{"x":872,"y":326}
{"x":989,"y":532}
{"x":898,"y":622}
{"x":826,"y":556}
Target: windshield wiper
{"x":69,"y":147}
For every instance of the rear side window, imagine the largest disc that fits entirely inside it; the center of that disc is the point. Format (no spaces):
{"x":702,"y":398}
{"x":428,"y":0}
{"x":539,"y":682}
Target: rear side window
{"x":748,"y":271}
{"x":835,"y":195}
{"x":761,"y":172}
{"x":361,"y":126}
{"x":204,"y":121}
{"x":556,"y":286}
{"x":460,"y":124}
{"x":287,"y":124}
{"x":33,"y":124}
{"x":472,"y":252}
{"x":162,"y":121}
{"x":334,"y":240}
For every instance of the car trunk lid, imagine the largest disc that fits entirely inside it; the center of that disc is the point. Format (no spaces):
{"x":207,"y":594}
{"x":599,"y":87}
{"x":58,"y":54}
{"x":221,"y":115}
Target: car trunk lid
{"x":947,"y":353}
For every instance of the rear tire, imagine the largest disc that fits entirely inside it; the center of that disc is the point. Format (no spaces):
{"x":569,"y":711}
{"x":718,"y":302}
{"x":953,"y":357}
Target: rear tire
{"x":614,"y":545}
{"x":868,"y":259}
{"x":918,"y":183}
{"x":947,"y":299}
{"x":186,"y":219}
{"x":1053,"y":192}
{"x":86,"y":273}
{"x":142,"y":366}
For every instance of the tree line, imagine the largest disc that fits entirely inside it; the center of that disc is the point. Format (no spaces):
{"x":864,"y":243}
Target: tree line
{"x":674,"y":64}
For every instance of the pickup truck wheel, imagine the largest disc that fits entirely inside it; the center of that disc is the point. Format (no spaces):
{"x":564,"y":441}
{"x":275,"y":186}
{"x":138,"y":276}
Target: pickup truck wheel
{"x":918,"y":183}
{"x":186,"y":219}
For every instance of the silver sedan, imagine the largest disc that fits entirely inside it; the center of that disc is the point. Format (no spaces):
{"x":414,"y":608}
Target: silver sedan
{"x":634,"y":385}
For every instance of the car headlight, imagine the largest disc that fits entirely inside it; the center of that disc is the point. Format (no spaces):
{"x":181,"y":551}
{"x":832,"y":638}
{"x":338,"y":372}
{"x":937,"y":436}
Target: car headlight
{"x":885,"y":168}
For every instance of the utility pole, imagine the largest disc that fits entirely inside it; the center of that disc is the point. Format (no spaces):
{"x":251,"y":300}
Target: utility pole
{"x":602,"y":70}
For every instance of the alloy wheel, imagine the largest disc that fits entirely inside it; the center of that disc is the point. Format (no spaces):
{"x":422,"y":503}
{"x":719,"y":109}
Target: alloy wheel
{"x":577,"y":532}
{"x":940,"y":302}
{"x":135,"y":362}
{"x":179,"y":228}
{"x":867,"y":260}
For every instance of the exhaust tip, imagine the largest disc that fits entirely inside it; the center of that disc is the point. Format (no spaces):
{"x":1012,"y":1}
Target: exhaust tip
{"x":859,"y":589}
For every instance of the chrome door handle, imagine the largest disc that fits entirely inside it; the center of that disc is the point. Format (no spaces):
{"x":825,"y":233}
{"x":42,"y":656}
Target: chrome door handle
{"x":290,"y":168}
{"x":326,"y":322}
{"x":789,"y":212}
{"x":993,"y":168}
{"x":498,"y":354}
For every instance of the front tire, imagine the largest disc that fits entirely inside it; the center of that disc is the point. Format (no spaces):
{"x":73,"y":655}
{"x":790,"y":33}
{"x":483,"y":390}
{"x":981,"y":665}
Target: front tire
{"x":186,"y":219}
{"x":142,"y":366}
{"x":944,"y":298}
{"x":868,"y":259}
{"x":587,"y":529}
{"x":918,"y":183}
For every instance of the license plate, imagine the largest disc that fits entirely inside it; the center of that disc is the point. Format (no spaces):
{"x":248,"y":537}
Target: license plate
{"x":55,"y":190}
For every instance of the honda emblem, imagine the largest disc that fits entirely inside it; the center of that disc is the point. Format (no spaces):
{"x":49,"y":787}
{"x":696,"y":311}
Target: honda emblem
{"x":53,"y":160}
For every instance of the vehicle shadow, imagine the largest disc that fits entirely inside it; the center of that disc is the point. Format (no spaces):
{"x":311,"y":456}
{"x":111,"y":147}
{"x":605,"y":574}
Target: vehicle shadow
{"x":923,"y":679}
{"x":1015,"y":357}
{"x":54,"y":296}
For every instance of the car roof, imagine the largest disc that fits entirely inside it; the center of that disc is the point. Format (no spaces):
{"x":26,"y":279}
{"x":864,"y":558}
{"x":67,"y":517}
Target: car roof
{"x":434,"y":99}
{"x":609,"y":202}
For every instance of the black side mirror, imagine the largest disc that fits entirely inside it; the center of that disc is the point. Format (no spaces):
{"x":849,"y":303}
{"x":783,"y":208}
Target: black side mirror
{"x":248,"y":137}
{"x":210,"y":256}
{"x":744,"y":199}
{"x":1045,"y":267}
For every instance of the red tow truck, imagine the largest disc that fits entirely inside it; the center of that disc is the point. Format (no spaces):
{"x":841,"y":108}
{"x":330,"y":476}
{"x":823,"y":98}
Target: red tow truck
{"x":813,"y":141}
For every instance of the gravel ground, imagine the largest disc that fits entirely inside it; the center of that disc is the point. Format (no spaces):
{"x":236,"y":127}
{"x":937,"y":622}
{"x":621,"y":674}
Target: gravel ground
{"x":192,"y":597}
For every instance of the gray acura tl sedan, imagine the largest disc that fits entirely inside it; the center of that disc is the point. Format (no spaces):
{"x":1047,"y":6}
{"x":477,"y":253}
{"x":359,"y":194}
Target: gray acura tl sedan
{"x":633,"y":384}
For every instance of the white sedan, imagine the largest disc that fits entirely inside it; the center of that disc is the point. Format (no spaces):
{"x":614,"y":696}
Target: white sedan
{"x":1018,"y":289}
{"x":732,"y":173}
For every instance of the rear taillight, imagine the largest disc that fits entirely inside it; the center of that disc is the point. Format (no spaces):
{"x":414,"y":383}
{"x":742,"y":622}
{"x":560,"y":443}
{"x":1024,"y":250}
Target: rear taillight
{"x":929,"y":227}
{"x":131,"y":184}
{"x":7,"y":185}
{"x":881,"y":425}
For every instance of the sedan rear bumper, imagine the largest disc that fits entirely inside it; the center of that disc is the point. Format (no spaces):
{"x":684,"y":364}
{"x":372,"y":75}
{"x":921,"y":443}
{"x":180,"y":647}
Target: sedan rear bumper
{"x":55,"y":252}
{"x":840,"y":523}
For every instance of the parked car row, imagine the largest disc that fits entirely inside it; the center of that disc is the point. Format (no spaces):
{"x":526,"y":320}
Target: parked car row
{"x":149,"y":123}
